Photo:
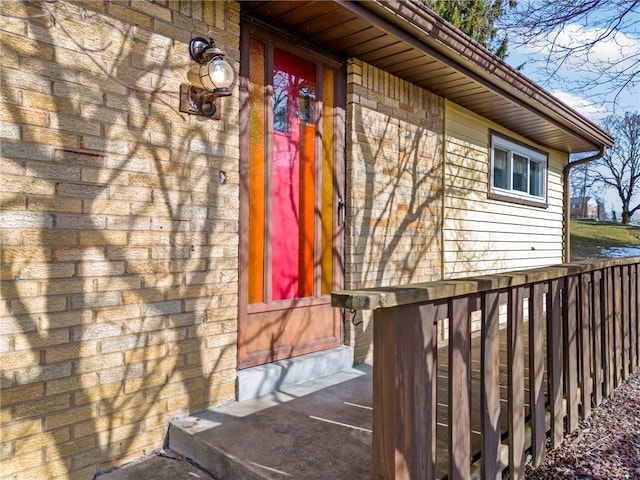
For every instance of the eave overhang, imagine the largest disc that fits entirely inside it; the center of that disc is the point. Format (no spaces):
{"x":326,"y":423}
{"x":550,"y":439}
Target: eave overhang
{"x":405,"y":38}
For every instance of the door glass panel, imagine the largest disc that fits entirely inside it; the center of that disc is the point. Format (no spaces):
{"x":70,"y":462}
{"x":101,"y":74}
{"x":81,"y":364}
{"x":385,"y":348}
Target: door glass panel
{"x":257,"y":225}
{"x":327,"y":182}
{"x":293,"y":174}
{"x":291,"y":177}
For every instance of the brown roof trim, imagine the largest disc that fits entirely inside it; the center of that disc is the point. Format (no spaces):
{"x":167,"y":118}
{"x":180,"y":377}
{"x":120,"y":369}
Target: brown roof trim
{"x":414,"y":23}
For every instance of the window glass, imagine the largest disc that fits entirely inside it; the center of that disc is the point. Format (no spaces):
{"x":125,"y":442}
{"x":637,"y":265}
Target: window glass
{"x":535,"y":180}
{"x":520,"y":172}
{"x":500,"y":168}
{"x":517,"y":171}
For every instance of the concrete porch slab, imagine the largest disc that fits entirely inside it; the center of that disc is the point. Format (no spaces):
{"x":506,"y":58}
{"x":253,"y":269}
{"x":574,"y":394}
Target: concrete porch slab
{"x":316,"y":430}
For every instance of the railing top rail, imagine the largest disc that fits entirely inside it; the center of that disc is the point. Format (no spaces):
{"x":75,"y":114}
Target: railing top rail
{"x":393,"y":296}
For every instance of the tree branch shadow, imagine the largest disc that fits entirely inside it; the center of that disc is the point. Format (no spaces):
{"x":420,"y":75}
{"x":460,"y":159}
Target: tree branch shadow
{"x":118,"y":277}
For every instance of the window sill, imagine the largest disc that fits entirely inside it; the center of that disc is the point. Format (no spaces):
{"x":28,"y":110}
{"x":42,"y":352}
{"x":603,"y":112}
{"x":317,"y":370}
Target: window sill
{"x":520,"y":200}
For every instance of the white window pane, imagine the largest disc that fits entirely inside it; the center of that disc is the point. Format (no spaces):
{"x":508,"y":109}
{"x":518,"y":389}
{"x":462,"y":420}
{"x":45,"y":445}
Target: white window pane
{"x":500,"y":168}
{"x":535,"y":180}
{"x":520,"y":167}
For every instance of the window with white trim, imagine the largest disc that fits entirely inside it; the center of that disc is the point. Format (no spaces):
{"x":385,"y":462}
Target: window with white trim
{"x":518,"y":173}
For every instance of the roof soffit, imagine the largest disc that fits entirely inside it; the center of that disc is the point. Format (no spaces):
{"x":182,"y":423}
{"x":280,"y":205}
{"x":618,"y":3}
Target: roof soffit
{"x":476,"y":61}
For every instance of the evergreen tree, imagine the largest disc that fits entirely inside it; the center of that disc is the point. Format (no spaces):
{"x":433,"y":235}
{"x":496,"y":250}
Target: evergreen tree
{"x":476,"y":18}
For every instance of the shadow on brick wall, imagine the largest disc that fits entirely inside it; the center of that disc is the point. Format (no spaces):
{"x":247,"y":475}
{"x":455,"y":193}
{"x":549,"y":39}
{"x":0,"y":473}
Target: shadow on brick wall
{"x":397,"y":235}
{"x":118,"y":248}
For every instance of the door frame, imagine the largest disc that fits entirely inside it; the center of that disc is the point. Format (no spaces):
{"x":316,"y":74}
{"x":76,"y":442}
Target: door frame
{"x":251,"y":27}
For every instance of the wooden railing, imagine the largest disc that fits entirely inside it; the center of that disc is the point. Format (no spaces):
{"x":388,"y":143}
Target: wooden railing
{"x":571,"y":334}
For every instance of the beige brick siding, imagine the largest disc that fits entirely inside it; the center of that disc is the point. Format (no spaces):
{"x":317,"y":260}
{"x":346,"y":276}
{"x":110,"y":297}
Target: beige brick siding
{"x":119,"y":244}
{"x":394,"y":186}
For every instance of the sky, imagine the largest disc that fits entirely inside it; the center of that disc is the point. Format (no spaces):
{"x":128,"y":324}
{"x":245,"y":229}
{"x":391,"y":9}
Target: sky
{"x":598,"y":105}
{"x":617,"y":49}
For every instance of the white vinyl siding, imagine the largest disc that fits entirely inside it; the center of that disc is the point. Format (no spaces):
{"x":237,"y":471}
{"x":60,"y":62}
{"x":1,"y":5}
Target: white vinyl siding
{"x":483,"y":235}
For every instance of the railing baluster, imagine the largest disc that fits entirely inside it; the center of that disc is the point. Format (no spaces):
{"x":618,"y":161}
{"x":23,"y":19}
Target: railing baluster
{"x":597,"y":336}
{"x":585,"y":344}
{"x":460,"y":309}
{"x":624,"y":306}
{"x":515,"y":355}
{"x":385,"y":411}
{"x":555,"y":360}
{"x":570,"y":332}
{"x":617,"y":325}
{"x":536,"y":371}
{"x":404,"y":385}
{"x":429,"y":329}
{"x":633,"y":315}
{"x":490,"y":388}
{"x":637,"y":305}
{"x":610,"y":367}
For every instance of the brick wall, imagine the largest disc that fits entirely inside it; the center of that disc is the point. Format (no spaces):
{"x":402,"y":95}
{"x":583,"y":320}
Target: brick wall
{"x":394,"y":187}
{"x":119,"y":243}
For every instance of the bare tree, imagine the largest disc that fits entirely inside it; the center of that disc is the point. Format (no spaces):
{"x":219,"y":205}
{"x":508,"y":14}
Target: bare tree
{"x":620,"y":167}
{"x":598,"y":38}
{"x":583,"y":184}
{"x":580,"y":181}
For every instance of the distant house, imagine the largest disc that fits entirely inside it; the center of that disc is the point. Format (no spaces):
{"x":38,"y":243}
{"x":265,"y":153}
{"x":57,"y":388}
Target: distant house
{"x":587,"y":207}
{"x":154,"y":260}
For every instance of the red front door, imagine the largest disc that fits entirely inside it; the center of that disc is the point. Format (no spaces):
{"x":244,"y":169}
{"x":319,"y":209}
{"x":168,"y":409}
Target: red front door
{"x":292,"y":184}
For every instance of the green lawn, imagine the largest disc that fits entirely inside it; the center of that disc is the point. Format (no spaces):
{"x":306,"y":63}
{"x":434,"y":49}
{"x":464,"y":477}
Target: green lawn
{"x":587,"y":238}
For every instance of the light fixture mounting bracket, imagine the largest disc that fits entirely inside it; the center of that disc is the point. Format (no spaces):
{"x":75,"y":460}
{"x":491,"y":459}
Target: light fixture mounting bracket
{"x":203,"y":50}
{"x":198,"y":101}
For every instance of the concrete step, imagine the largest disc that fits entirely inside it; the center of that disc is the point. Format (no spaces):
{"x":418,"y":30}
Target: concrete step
{"x":315,"y":430}
{"x":158,"y":465}
{"x":263,"y":379}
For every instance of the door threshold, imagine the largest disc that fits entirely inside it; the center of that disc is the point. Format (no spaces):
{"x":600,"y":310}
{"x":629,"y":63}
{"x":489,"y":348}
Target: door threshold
{"x":268,"y":378}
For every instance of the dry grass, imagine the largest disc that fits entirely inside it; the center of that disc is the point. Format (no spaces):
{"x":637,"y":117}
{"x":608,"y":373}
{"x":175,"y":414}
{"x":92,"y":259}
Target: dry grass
{"x":589,"y":238}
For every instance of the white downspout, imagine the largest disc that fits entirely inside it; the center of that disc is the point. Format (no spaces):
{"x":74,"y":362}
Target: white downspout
{"x":567,"y":198}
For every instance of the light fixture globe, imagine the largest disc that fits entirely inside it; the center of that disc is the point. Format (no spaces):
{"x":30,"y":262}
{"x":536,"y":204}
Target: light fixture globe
{"x":217,"y":76}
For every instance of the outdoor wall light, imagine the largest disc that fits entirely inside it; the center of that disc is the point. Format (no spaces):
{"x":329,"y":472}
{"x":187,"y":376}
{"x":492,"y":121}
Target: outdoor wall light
{"x":210,"y":79}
